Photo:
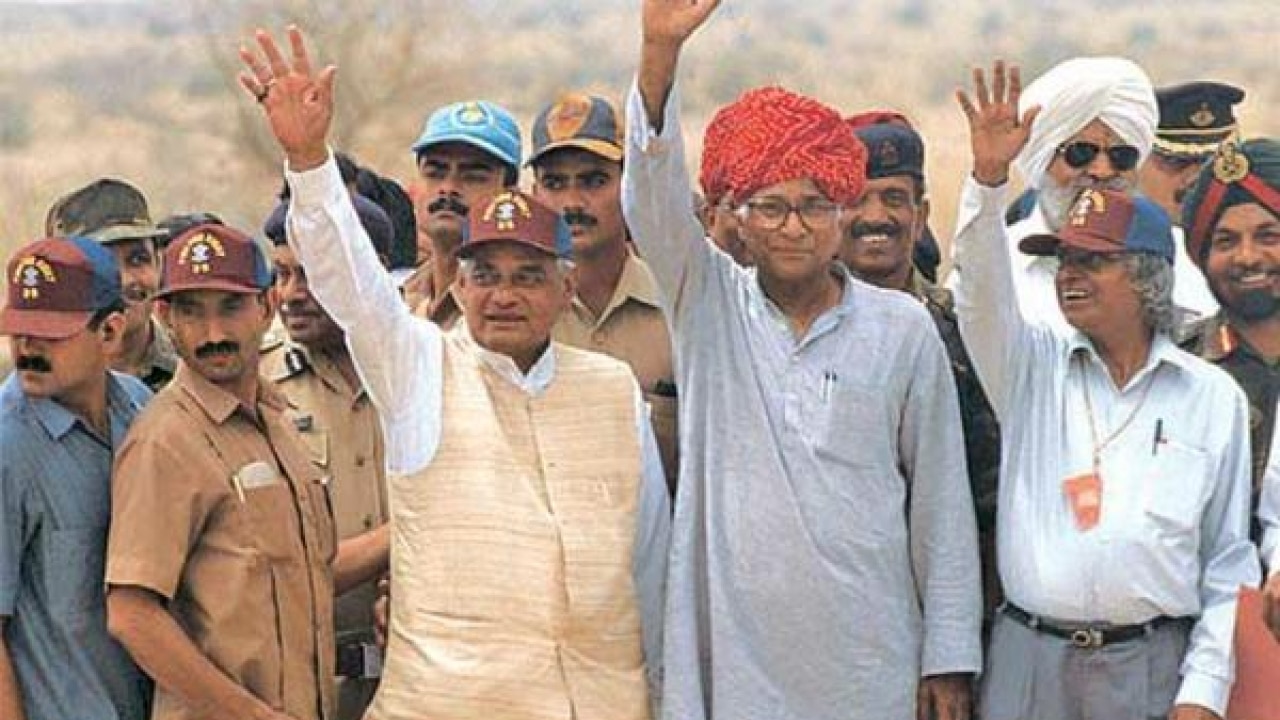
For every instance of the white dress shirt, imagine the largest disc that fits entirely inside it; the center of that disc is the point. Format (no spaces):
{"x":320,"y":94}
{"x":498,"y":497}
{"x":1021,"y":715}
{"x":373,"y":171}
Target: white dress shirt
{"x":1173,"y":538}
{"x":400,"y":361}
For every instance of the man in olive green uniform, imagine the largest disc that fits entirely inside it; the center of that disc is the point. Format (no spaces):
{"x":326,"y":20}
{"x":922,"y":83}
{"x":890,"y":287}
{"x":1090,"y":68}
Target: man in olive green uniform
{"x":115,"y":214}
{"x":1232,"y":222}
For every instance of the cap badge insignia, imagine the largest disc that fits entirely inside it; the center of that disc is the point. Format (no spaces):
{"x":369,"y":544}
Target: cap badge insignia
{"x":472,"y":114}
{"x":887,"y":154}
{"x":1090,"y":202}
{"x":30,"y":272}
{"x":200,"y":251}
{"x":568,"y":117}
{"x":1203,"y":117}
{"x":1231,"y":165}
{"x":505,"y":210}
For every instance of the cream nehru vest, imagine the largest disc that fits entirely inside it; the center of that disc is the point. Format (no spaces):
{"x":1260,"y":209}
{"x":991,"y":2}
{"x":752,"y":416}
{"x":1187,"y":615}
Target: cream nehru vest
{"x":511,"y":552}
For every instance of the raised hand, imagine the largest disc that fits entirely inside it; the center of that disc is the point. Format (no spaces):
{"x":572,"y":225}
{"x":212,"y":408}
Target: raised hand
{"x":671,"y":22}
{"x":298,"y":103}
{"x":666,"y":25}
{"x":996,"y":133}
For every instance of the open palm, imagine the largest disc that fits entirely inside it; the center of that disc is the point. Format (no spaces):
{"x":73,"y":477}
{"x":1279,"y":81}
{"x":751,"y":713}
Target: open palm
{"x":298,"y":102}
{"x":671,"y":22}
{"x":996,"y":133}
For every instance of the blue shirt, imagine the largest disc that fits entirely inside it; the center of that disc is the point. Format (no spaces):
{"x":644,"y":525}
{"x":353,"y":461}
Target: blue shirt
{"x":55,"y":504}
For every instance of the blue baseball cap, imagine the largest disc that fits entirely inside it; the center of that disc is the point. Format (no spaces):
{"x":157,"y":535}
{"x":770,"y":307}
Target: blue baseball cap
{"x":478,"y":123}
{"x":1109,"y":221}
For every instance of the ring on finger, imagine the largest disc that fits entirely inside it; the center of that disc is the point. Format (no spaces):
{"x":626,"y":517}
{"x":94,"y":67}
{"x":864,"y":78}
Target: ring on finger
{"x":265,"y":90}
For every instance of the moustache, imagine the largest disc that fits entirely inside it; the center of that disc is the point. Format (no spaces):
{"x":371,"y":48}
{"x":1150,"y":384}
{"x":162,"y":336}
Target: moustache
{"x":860,"y":229}
{"x":226,"y":347}
{"x":450,"y":203}
{"x":1115,"y":183}
{"x":580,"y":218}
{"x":33,"y":363}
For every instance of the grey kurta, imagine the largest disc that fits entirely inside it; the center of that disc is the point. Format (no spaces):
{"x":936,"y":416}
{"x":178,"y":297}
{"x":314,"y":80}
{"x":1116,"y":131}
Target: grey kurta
{"x":824,"y":553}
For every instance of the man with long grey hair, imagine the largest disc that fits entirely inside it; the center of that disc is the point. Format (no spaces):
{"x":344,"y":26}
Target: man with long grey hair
{"x":1123,"y":509}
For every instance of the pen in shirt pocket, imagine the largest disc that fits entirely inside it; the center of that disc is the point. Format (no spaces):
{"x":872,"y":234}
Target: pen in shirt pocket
{"x":828,"y":385}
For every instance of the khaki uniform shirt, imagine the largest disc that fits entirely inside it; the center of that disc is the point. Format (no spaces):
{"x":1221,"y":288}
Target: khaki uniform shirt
{"x":339,"y":426}
{"x":418,"y":287}
{"x":633,"y":329}
{"x":445,"y":311}
{"x":223,"y":514}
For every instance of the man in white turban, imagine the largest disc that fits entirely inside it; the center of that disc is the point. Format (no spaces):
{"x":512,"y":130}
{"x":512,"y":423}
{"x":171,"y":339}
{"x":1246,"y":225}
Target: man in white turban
{"x":1096,"y":125}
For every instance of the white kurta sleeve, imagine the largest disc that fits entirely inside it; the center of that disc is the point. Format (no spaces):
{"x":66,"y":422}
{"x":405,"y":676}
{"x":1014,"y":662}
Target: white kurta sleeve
{"x":398,"y":356}
{"x":657,"y":200}
{"x":653,"y":539}
{"x":943,"y":530}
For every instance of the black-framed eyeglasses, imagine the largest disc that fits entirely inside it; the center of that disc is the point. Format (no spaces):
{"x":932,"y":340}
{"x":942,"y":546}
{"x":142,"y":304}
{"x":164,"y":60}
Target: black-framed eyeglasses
{"x":1087,"y":260}
{"x":1080,"y":153}
{"x":772,"y":213}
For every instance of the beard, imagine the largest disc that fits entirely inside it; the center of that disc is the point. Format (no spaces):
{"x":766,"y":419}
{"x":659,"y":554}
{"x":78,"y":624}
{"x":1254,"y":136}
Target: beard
{"x":1056,"y":200}
{"x":1251,"y":306}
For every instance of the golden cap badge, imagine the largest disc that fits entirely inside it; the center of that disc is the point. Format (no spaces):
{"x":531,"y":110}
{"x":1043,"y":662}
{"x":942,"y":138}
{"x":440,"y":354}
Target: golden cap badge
{"x":1230,"y":165}
{"x":30,"y":272}
{"x":199,"y":252}
{"x":505,"y":210}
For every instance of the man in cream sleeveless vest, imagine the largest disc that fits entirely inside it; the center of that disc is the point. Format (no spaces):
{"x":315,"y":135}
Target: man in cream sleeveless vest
{"x":529,"y":510}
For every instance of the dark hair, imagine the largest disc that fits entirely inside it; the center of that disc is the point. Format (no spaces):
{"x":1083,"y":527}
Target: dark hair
{"x":101,"y":314}
{"x":176,"y":225}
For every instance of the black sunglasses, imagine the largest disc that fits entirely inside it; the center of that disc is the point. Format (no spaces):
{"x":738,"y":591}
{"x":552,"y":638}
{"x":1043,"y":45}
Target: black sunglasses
{"x":1080,"y":153}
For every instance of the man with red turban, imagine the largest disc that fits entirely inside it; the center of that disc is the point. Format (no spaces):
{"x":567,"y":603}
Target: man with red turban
{"x":824,"y":557}
{"x":1232,"y":218}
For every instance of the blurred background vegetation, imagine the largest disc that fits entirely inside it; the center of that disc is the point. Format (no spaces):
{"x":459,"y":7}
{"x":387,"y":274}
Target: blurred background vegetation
{"x":145,"y":89}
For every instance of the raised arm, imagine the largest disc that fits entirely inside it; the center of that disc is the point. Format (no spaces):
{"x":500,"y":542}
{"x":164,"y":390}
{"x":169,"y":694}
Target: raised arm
{"x":342,"y":266}
{"x":986,"y":301}
{"x":667,"y":24}
{"x":656,"y":193}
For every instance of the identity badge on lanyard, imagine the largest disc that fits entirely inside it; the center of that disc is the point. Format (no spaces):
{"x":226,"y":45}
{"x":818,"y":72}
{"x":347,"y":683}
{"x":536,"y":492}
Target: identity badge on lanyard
{"x":1084,"y":491}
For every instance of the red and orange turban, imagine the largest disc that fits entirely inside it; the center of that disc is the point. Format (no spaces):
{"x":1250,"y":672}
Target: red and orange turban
{"x":771,"y":135}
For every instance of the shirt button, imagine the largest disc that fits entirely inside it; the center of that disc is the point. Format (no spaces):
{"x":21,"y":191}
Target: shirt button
{"x":599,"y":337}
{"x":360,"y":460}
{"x":368,"y":522}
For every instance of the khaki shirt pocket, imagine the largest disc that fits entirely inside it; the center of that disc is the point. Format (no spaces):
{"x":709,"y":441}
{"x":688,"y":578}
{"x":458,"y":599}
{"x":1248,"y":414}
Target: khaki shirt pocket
{"x":271,"y":519}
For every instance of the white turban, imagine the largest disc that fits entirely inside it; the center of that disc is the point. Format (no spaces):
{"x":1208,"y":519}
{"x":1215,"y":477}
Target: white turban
{"x":1076,"y":92}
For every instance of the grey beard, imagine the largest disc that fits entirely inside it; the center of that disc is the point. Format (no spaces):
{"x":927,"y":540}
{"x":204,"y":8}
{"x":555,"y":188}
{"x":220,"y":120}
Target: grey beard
{"x":1056,"y":200}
